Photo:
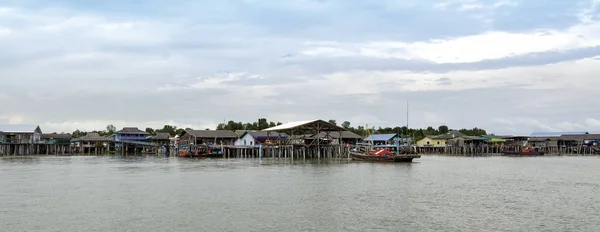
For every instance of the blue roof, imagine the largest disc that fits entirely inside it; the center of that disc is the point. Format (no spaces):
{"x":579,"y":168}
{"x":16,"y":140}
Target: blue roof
{"x":556,"y":134}
{"x":381,"y":137}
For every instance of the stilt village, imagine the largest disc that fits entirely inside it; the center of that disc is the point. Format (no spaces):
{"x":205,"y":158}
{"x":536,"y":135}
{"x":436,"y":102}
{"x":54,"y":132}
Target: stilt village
{"x":318,"y":139}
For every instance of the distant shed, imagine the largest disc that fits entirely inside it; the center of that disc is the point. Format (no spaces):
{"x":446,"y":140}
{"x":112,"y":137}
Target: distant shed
{"x":556,"y":134}
{"x":381,"y":138}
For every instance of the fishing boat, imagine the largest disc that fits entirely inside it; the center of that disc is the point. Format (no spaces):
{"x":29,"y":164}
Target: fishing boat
{"x":201,"y":151}
{"x":383,"y":155}
{"x":185,"y":151}
{"x":524,"y":152}
{"x":383,"y":152}
{"x":212,"y":153}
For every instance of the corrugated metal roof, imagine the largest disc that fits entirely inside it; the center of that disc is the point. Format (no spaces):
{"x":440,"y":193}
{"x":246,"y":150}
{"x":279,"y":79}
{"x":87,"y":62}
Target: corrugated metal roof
{"x":290,"y":125}
{"x":325,"y":126}
{"x":94,"y":137}
{"x":270,"y":134}
{"x":19,"y":128}
{"x":580,"y":137}
{"x":57,"y":136}
{"x":131,"y":130}
{"x":160,"y":136}
{"x":380,"y":137}
{"x":556,"y":134}
{"x":212,"y":133}
{"x":333,"y":135}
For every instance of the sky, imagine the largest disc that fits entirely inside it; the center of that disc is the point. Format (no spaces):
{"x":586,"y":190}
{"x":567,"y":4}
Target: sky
{"x":511,"y":67}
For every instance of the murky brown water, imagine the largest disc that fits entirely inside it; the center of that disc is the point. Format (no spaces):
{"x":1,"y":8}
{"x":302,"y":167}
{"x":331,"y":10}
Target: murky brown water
{"x":433,"y":194}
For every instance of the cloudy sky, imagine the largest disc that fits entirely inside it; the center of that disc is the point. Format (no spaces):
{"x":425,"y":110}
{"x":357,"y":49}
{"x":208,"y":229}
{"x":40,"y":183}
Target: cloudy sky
{"x":511,"y":67}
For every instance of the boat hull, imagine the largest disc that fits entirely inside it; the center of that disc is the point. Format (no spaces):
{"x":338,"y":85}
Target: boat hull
{"x":193,"y":155}
{"x":211,"y":155}
{"x":374,"y":158}
{"x":516,"y":153}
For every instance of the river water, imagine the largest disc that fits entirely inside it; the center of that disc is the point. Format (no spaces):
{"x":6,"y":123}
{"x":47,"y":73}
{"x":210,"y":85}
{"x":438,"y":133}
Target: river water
{"x":171,"y":194}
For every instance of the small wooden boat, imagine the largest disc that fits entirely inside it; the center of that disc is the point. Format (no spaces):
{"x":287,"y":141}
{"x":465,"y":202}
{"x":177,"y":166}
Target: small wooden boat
{"x":200,"y":152}
{"x":520,"y":153}
{"x":383,"y":153}
{"x":384,"y":158}
{"x":212,"y":154}
{"x":187,"y":154}
{"x":524,"y":152}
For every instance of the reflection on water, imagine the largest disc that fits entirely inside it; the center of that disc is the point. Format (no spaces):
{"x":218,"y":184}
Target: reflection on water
{"x":172,"y":194}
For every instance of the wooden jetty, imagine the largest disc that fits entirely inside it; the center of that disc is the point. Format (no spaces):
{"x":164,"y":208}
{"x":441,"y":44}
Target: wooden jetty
{"x":487,"y":150}
{"x":35,"y":149}
{"x":314,"y":139}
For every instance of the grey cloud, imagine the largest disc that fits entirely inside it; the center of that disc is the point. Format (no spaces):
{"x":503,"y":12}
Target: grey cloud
{"x":444,"y":81}
{"x":121,"y":80}
{"x":329,"y":65}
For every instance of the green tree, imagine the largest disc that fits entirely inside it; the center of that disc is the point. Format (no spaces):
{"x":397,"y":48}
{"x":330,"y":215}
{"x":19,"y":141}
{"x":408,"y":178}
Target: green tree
{"x":78,"y":134}
{"x":346,"y":124}
{"x":110,"y":129}
{"x":443,"y":129}
{"x":172,"y":130}
{"x":231,"y":125}
{"x":431,"y":131}
{"x":150,"y":131}
{"x":404,"y":130}
{"x":332,"y":121}
{"x":263,"y":124}
{"x":249,"y":126}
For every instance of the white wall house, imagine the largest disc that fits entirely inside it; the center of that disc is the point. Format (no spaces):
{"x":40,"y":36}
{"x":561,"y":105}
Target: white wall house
{"x":245,"y":140}
{"x":253,"y":138}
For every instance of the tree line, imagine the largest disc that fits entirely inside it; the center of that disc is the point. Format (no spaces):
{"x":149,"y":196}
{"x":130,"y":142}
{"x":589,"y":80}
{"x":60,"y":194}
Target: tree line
{"x":263,"y":123}
{"x":414,"y":133}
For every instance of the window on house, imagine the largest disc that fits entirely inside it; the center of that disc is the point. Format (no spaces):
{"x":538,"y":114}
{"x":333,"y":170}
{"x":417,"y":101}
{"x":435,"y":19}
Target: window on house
{"x":244,"y":142}
{"x":427,"y":142}
{"x":438,"y":143}
{"x":250,"y":142}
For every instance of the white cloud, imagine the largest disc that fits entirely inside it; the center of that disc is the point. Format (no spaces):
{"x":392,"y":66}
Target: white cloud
{"x":220,"y":81}
{"x":5,"y":10}
{"x":536,"y":125}
{"x":475,"y":48}
{"x":595,"y":123}
{"x":15,"y":120}
{"x":588,"y":14}
{"x":579,"y":75}
{"x":501,"y":3}
{"x":469,"y":5}
{"x":247,"y":92}
{"x":5,"y":31}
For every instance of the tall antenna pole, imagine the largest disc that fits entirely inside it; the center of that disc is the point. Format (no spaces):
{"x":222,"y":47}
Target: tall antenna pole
{"x":407,"y":113}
